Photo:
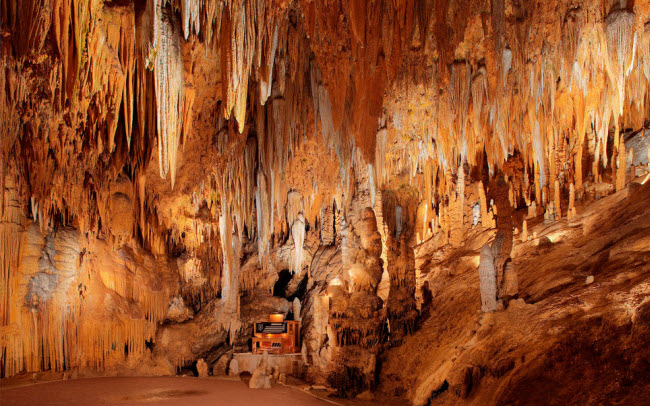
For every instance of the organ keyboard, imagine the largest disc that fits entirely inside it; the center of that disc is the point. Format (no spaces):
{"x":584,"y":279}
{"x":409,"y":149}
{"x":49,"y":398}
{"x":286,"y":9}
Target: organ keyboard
{"x":276,"y":336}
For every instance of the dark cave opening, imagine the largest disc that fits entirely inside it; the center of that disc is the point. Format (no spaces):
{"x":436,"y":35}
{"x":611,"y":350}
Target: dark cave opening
{"x":281,"y":285}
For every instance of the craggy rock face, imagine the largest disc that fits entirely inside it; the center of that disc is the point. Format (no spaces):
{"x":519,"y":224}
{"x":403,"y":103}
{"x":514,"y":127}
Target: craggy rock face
{"x":173,"y":171}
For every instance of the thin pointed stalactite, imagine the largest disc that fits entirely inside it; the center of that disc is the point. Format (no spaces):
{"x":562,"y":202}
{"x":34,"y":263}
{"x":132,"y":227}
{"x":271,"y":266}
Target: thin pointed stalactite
{"x":168,"y":78}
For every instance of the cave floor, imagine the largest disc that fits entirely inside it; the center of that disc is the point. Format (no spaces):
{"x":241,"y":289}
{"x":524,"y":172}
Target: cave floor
{"x":153,"y":391}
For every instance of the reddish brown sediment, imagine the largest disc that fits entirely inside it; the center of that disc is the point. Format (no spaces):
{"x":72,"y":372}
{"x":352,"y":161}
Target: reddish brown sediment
{"x":152,"y":391}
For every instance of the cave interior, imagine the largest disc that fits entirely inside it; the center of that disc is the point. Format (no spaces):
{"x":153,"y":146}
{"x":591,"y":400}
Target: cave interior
{"x":448,"y":197}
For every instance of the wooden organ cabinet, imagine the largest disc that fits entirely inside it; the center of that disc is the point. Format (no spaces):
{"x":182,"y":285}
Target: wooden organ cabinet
{"x":276,"y":336}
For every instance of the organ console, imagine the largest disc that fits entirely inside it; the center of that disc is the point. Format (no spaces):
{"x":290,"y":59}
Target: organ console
{"x":276,"y":336}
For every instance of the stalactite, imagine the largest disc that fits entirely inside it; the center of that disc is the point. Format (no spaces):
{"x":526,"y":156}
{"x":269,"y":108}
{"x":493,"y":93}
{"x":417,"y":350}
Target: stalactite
{"x":540,"y":167}
{"x":190,"y":12}
{"x":571,"y":26}
{"x":237,"y":55}
{"x":619,"y":35}
{"x":479,"y":94}
{"x":267,"y":69}
{"x":298,"y":234}
{"x":461,"y":75}
{"x":168,"y":77}
{"x":264,"y":215}
{"x":506,"y":64}
{"x":644,"y":50}
{"x":128,"y":95}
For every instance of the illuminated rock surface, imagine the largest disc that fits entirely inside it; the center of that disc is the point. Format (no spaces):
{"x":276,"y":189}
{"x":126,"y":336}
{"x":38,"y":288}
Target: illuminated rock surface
{"x":173,"y":171}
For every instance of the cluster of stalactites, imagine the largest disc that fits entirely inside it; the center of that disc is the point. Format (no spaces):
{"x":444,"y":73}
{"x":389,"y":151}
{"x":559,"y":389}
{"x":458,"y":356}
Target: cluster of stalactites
{"x":250,"y":36}
{"x":247,"y":33}
{"x":598,"y":72}
{"x":253,"y":43}
{"x":146,"y":79}
{"x":12,"y":90}
{"x":334,"y":141}
{"x":63,"y":309}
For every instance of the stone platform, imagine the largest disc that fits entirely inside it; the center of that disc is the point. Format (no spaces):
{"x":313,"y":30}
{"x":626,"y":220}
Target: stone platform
{"x":289,"y":364}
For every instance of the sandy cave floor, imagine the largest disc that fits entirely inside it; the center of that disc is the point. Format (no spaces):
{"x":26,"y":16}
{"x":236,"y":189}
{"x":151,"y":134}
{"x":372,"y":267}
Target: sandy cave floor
{"x":153,"y":391}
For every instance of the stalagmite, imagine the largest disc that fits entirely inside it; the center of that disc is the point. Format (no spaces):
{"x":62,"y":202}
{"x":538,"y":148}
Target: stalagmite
{"x":202,"y":368}
{"x":621,"y":169}
{"x":488,"y":280}
{"x":550,"y":214}
{"x":630,"y":159}
{"x":538,"y":187}
{"x":503,"y":240}
{"x":297,"y":309}
{"x":261,"y":376}
{"x":572,"y":198}
{"x":532,"y":210}
{"x":524,"y":231}
{"x":556,"y":200}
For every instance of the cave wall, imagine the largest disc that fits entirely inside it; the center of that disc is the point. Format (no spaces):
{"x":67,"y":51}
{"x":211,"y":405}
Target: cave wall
{"x":163,"y":161}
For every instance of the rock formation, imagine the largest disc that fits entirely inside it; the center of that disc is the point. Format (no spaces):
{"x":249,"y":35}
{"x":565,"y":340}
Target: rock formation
{"x":261,"y":378}
{"x":487,"y":275}
{"x":172,"y":171}
{"x":202,"y":368}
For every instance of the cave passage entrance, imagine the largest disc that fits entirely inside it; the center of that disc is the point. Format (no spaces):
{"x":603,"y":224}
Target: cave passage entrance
{"x":281,"y":285}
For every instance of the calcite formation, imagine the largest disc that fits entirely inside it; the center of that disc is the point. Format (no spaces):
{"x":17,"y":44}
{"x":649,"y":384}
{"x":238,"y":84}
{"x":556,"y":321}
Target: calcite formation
{"x":171,"y":171}
{"x":487,"y":275}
